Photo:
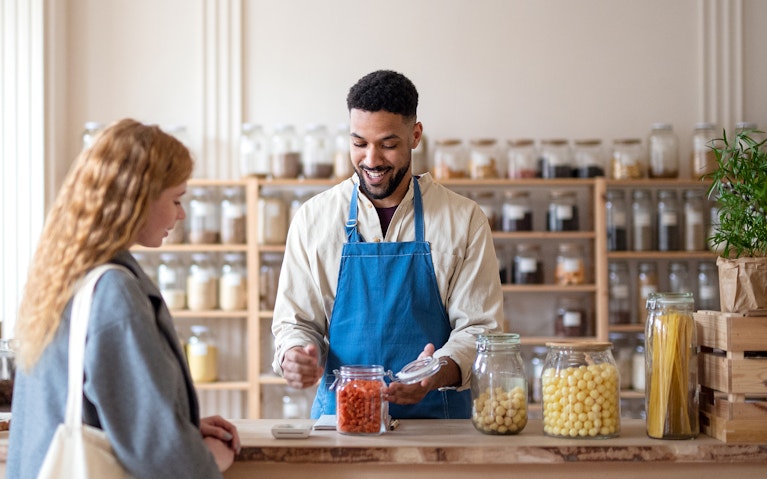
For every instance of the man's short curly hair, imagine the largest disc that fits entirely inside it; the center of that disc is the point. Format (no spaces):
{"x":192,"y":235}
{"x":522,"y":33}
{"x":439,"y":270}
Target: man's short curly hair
{"x":384,"y":90}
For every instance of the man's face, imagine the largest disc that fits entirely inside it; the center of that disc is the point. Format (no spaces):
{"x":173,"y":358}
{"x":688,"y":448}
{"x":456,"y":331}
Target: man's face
{"x":381,"y":148}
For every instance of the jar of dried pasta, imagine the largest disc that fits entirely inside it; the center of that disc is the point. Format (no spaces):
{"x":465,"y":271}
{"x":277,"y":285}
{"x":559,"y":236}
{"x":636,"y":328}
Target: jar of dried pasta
{"x":360,"y":405}
{"x":581,"y":391}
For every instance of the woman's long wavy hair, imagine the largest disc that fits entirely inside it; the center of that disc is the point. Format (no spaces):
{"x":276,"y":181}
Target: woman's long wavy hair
{"x":100,"y":209}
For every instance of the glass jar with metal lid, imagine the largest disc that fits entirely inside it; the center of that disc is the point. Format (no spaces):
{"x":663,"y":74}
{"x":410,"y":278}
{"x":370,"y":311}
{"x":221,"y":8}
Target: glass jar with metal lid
{"x":204,"y":220}
{"x":233,"y":221}
{"x":628,"y":159}
{"x":233,"y":283}
{"x":694,"y":224}
{"x":562,"y":213}
{"x":450,"y":160}
{"x":523,"y":159}
{"x":571,"y":268}
{"x":527,"y":265}
{"x":517,"y":212}
{"x":617,"y":221}
{"x":702,"y":157}
{"x":669,"y":231}
{"x":581,"y":391}
{"x":202,"y":355}
{"x":663,"y":146}
{"x":589,"y":158}
{"x":671,"y":398}
{"x":483,"y":159}
{"x":342,"y":162}
{"x":273,"y":217}
{"x":316,"y":155}
{"x":285,"y":151}
{"x":171,"y":280}
{"x":642,"y":224}
{"x":498,"y":386}
{"x":619,"y":298}
{"x":556,"y":159}
{"x":202,"y":283}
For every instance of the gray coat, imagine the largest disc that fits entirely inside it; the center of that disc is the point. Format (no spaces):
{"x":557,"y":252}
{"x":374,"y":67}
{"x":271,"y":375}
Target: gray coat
{"x":137,"y":386}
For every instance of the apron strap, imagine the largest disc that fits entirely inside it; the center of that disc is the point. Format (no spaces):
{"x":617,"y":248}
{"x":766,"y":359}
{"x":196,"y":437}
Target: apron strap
{"x":352,"y":234}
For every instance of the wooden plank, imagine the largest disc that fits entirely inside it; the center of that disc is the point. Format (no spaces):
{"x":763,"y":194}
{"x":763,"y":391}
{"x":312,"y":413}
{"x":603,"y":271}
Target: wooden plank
{"x":731,"y":331}
{"x":727,"y":406}
{"x":739,"y":376}
{"x":738,"y":431}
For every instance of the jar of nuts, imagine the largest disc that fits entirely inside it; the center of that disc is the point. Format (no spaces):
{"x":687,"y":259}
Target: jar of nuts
{"x":570,"y":264}
{"x":581,"y":391}
{"x":499,"y":386}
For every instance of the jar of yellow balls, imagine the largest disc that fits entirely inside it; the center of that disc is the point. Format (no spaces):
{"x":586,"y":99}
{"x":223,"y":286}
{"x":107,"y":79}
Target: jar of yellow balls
{"x":581,"y":391}
{"x":499,"y":385}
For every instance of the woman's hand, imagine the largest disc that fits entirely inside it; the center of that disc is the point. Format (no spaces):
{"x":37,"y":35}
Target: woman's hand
{"x":222,"y":439}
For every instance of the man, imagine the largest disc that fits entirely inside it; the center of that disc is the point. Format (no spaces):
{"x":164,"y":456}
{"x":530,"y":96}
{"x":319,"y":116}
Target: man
{"x":418,"y":273}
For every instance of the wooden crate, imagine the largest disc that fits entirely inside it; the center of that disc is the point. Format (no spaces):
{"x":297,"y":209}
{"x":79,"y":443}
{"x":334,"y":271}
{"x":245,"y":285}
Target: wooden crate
{"x":732,"y":372}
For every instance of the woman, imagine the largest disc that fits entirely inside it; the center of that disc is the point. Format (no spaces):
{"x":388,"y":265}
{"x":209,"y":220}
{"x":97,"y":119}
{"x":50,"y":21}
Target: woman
{"x":124,"y":190}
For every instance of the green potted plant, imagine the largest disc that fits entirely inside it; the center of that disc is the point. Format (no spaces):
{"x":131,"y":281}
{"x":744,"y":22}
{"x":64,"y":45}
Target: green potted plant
{"x":739,"y":186}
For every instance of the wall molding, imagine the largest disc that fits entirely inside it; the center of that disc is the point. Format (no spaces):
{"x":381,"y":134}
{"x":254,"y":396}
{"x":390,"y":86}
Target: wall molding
{"x":720,"y":60}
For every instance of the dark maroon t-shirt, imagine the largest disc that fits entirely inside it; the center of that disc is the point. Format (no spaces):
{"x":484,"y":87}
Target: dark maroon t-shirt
{"x":385,"y":215}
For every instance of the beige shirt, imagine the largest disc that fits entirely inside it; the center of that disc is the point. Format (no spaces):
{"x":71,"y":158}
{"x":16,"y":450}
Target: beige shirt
{"x":463,"y":254}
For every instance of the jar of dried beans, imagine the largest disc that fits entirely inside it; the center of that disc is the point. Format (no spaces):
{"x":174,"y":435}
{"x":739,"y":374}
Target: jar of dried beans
{"x":204,"y":222}
{"x":360,"y":405}
{"x":233,"y":220}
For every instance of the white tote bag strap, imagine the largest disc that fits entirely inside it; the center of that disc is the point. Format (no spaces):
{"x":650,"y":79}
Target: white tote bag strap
{"x":78,"y":328}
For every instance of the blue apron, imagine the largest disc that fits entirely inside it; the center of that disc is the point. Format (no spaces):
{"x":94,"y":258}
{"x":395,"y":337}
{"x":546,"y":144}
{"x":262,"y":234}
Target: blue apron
{"x":387,"y":309}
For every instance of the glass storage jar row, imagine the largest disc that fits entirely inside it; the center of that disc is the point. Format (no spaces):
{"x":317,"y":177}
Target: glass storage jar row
{"x":523,"y":264}
{"x":513,"y":210}
{"x":627,"y":298}
{"x":200,"y":281}
{"x":213,"y":216}
{"x":668,"y":222}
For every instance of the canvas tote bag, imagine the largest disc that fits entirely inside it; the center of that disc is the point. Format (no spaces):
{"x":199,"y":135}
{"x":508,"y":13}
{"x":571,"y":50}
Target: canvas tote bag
{"x":80,"y":451}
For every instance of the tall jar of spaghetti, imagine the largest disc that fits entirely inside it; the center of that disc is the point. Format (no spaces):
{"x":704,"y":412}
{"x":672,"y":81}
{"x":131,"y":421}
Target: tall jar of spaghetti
{"x":671,"y":382}
{"x":360,"y":405}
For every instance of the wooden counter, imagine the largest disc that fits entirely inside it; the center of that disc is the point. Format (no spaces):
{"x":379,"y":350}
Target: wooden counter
{"x":453,"y":448}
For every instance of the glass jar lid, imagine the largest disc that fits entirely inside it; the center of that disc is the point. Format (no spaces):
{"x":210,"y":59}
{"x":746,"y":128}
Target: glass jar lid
{"x":420,"y":369}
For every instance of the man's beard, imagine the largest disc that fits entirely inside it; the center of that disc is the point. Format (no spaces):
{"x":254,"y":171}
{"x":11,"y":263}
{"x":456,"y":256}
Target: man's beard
{"x":387,"y":189}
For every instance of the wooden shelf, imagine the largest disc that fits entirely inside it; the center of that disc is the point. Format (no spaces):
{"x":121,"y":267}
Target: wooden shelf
{"x":548,"y":288}
{"x":223,"y":386}
{"x":212,"y":313}
{"x":195,"y":248}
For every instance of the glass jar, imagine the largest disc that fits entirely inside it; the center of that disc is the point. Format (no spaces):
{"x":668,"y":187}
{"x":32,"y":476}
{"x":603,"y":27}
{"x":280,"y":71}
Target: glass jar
{"x":487,"y":203}
{"x":628,"y":159}
{"x":556,"y":159}
{"x":483,"y":159}
{"x":537,"y":360}
{"x":202,"y":355}
{"x":204,"y":222}
{"x":273,"y":217}
{"x":571,"y":268}
{"x":91,"y":130}
{"x":517,"y":213}
{"x":694,"y":225}
{"x":617,"y":221}
{"x":562,"y":213}
{"x":419,"y":159}
{"x":269,"y":276}
{"x":571,"y":320}
{"x":647,"y":283}
{"x":678,"y":277}
{"x":171,"y":280}
{"x":254,"y":151}
{"x":663,"y":146}
{"x":233,"y":283}
{"x":498,"y":386}
{"x":589,"y":158}
{"x":233,"y":221}
{"x":642,"y":224}
{"x":202,"y":283}
{"x":316,"y":161}
{"x":708,"y":287}
{"x":671,"y":367}
{"x":581,"y":391}
{"x":638,"y":365}
{"x":360,"y":405}
{"x":668,"y":221}
{"x":619,"y":299}
{"x":522,"y":159}
{"x":702,"y":157}
{"x":342,"y":160}
{"x":450,"y":160}
{"x":528,"y":267}
{"x":623,"y":352}
{"x":285,"y":150}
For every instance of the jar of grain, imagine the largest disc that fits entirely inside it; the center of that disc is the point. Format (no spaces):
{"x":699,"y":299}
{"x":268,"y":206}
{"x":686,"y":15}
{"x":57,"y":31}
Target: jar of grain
{"x":202,"y":283}
{"x":204,"y":222}
{"x":556,"y":159}
{"x":589,"y":158}
{"x":527,"y":265}
{"x":316,"y":157}
{"x":498,"y":386}
{"x":619,"y":299}
{"x":628,"y":159}
{"x":233,"y":284}
{"x":571,"y":320}
{"x":669,"y":234}
{"x":450,"y":160}
{"x":523,"y":159}
{"x":663,"y":146}
{"x":516,"y":211}
{"x":202,"y":355}
{"x":269,"y":276}
{"x":694,"y":225}
{"x":617,"y":221}
{"x":273,"y":217}
{"x":562,"y":213}
{"x":702,"y":157}
{"x":570,"y":265}
{"x":642,"y":224}
{"x":233,"y":220}
{"x":483,"y":159}
{"x":285,"y":150}
{"x":171,"y":280}
{"x":581,"y":391}
{"x":254,"y":151}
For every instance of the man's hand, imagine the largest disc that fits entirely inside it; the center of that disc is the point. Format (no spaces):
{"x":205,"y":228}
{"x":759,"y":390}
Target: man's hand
{"x":449,"y":375}
{"x":301,"y":366}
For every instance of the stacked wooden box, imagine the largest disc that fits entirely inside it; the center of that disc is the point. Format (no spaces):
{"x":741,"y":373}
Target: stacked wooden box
{"x":732,"y":371}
